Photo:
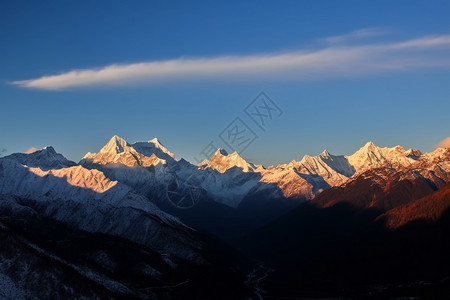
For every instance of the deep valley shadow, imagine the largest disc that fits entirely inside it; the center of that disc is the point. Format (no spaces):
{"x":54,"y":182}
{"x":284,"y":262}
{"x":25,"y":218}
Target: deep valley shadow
{"x":342,"y":251}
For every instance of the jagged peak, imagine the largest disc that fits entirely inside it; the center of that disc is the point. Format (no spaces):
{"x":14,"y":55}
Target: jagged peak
{"x":45,"y":158}
{"x":291,"y":163}
{"x":364,"y":150}
{"x":325,"y":153}
{"x":143,"y":147}
{"x":118,"y":139}
{"x":89,"y":155}
{"x":49,"y":149}
{"x":369,"y":145}
{"x":155,"y":141}
{"x":221,"y":152}
{"x":205,"y":162}
{"x":222,"y":161}
{"x":116,"y":144}
{"x":305,"y":158}
{"x":413,"y":152}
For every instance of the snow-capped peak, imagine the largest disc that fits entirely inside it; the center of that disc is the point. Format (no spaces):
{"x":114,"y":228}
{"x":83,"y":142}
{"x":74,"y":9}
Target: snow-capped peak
{"x":335,"y":170}
{"x":89,"y":155}
{"x":222,"y":161}
{"x":369,"y":145}
{"x":413,"y":153}
{"x":372,"y":156}
{"x":440,"y":154}
{"x":115,"y":145}
{"x":117,"y":150}
{"x":221,"y":151}
{"x":45,"y":158}
{"x":325,"y":153}
{"x":204,"y":163}
{"x":155,"y":141}
{"x":154,"y":146}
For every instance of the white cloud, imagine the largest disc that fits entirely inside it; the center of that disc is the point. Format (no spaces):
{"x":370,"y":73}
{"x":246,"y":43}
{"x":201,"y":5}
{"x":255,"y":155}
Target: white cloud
{"x":331,"y":61}
{"x":356,"y":35}
{"x":31,"y":150}
{"x":426,"y":42}
{"x":445,"y":143}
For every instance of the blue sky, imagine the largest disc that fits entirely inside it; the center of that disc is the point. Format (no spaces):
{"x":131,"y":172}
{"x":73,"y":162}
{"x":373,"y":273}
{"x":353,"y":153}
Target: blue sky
{"x":343,"y":72}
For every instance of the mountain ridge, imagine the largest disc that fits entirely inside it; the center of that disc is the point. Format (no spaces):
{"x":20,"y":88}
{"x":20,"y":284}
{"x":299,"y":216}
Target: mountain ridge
{"x":149,"y":169}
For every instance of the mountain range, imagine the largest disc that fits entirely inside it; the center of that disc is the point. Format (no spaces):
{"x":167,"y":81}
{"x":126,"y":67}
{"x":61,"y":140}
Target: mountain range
{"x":229,"y":179}
{"x":187,"y":217}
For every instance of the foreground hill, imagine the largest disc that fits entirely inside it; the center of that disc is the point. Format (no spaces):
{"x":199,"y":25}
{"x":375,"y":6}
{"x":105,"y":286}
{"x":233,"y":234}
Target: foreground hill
{"x":345,"y":252}
{"x":429,"y":208}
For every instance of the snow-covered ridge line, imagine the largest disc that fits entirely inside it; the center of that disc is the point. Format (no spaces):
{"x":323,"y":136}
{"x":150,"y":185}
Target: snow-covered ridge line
{"x":149,"y":168}
{"x":90,"y":201}
{"x":117,"y":150}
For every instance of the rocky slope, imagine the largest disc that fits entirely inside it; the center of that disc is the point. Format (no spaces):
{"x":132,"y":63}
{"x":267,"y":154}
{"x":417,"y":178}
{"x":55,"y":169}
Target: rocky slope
{"x":397,"y":182}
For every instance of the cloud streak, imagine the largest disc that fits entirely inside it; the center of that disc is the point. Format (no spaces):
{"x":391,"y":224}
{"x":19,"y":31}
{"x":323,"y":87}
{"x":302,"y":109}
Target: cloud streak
{"x":356,"y":35}
{"x":444,"y":143}
{"x":31,"y":150}
{"x":326,"y":62}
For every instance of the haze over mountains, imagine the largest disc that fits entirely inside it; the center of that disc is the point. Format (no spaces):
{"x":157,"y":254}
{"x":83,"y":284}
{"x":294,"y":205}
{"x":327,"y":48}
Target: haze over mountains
{"x":141,"y":196}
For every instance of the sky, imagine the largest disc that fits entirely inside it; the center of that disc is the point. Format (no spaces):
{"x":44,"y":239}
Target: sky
{"x":341,"y":73}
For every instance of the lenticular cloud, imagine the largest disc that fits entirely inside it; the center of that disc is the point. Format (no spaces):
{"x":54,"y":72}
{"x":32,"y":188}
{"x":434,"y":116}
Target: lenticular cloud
{"x":331,"y":61}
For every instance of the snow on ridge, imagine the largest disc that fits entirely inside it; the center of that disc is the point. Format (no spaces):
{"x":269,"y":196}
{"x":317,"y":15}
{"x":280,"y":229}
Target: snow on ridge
{"x":117,"y":150}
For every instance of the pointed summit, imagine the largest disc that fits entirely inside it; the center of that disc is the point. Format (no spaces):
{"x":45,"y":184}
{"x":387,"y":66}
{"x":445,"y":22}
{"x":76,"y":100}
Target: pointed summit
{"x":305,"y":157}
{"x":371,"y":156}
{"x":156,"y":142}
{"x":143,"y":154}
{"x":367,"y":157}
{"x":222,"y":161}
{"x":115,"y":145}
{"x":335,"y":170}
{"x":325,"y":153}
{"x":369,"y":145}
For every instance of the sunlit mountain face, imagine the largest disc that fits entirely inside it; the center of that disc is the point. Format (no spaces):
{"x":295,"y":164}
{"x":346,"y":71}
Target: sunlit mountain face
{"x":133,"y":221}
{"x":214,"y":150}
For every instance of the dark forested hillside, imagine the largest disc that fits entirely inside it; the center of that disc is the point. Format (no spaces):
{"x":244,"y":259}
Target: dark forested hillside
{"x":346,"y":251}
